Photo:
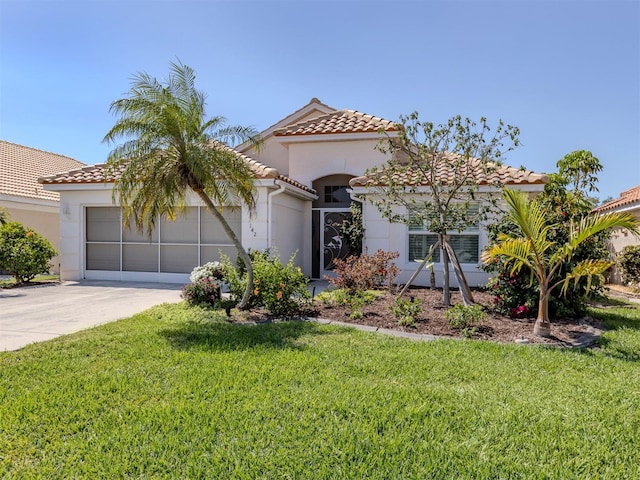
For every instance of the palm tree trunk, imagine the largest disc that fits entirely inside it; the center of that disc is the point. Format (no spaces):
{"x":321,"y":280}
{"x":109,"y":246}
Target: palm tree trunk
{"x":542,"y":327}
{"x":244,"y":302}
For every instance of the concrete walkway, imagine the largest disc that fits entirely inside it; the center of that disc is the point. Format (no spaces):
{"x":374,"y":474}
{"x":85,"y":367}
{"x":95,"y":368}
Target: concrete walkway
{"x":34,"y":314}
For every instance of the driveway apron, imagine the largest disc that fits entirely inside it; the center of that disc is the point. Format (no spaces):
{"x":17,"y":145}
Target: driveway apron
{"x":38,"y":313}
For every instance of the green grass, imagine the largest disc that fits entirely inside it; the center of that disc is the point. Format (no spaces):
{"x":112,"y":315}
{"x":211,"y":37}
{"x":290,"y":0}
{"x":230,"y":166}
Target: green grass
{"x":176,"y":392}
{"x":39,"y":278}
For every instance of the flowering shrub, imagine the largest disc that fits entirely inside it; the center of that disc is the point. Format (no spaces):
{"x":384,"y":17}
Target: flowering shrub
{"x":204,"y":291}
{"x":281,"y":289}
{"x":205,"y":287}
{"x":513,"y":295}
{"x":521,"y":311}
{"x":23,"y":252}
{"x":365,"y":272}
{"x":212,"y":270}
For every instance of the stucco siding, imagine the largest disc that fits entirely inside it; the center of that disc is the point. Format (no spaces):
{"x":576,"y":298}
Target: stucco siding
{"x":312,"y":160}
{"x":273,"y":154}
{"x":289,"y":228}
{"x":394,"y":237}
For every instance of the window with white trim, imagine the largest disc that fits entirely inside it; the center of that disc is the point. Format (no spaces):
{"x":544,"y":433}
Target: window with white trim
{"x":466,"y":243}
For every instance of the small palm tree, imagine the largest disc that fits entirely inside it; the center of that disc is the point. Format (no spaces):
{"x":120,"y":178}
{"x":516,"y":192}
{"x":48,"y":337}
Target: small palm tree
{"x":4,"y":216}
{"x":171,"y":148}
{"x":544,"y":257}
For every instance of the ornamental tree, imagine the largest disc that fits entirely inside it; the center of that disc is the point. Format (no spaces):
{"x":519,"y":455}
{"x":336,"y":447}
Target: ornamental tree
{"x":170,"y":147}
{"x":565,"y":201}
{"x":531,"y":247}
{"x":435,"y":174}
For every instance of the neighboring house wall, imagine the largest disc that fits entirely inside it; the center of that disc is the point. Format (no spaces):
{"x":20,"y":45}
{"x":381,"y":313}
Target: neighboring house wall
{"x":24,"y":198}
{"x":41,"y":216}
{"x":629,"y":202}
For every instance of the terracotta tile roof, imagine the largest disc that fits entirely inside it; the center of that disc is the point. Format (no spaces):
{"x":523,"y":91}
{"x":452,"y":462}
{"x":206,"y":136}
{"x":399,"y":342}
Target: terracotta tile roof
{"x":21,"y":166}
{"x":314,"y":102}
{"x":98,"y":174}
{"x":341,"y":121}
{"x":626,"y":198}
{"x":503,"y":174}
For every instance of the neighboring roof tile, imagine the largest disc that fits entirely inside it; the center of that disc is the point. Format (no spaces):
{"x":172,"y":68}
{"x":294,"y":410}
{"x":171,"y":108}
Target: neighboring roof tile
{"x":626,"y":198}
{"x":98,"y":174}
{"x":503,"y":174}
{"x":20,"y":168}
{"x":341,"y":121}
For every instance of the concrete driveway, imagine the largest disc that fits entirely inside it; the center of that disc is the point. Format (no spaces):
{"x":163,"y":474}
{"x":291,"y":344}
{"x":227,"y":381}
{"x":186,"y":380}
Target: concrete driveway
{"x":38,"y":313}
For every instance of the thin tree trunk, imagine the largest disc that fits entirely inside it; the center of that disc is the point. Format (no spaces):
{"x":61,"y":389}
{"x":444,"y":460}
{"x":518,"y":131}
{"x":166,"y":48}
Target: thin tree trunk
{"x":542,"y":327}
{"x":244,"y":302}
{"x":426,"y":259}
{"x":463,"y":285}
{"x":446,"y":295}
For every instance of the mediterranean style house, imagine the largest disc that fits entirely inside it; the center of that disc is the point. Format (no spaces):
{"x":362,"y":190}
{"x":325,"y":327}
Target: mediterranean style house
{"x":23,"y":197}
{"x":307,"y":173}
{"x":629,"y":201}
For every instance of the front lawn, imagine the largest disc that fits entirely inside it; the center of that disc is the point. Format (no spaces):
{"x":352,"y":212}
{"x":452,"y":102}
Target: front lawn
{"x":177,"y":392}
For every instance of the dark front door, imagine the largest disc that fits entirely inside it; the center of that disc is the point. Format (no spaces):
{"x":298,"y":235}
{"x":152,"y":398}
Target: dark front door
{"x":330,"y":243}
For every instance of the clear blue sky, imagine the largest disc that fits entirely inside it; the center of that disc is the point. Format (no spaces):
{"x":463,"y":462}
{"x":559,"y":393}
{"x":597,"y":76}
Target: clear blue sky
{"x":566,"y":72}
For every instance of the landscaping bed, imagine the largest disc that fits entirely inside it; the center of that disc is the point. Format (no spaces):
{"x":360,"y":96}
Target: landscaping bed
{"x":432,"y":320}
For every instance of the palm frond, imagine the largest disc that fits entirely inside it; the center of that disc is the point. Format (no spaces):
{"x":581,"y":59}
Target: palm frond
{"x":593,"y":224}
{"x":527,"y":215}
{"x":586,"y":269}
{"x":515,"y":251}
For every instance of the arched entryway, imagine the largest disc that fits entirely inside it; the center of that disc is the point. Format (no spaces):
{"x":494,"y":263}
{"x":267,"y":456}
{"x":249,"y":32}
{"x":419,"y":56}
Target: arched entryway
{"x":328,"y":211}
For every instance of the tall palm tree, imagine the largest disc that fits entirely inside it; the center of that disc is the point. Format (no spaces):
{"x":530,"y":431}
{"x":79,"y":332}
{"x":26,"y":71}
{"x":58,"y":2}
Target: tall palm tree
{"x":169,"y":148}
{"x":543,"y":257}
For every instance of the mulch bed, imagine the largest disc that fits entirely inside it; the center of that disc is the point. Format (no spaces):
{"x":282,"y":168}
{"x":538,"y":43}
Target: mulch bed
{"x":432,"y":320}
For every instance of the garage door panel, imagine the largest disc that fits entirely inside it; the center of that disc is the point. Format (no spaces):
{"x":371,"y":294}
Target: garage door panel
{"x":140,"y":258}
{"x":178,"y":258}
{"x":212,"y":254}
{"x":103,"y":256}
{"x":184,"y":229}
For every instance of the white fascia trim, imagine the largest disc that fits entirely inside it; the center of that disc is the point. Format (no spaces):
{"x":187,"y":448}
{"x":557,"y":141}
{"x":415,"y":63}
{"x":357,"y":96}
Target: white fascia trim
{"x":289,"y":188}
{"x":29,"y":201}
{"x":331,"y":137}
{"x":62,"y":187}
{"x":482,"y":189}
{"x":630,"y":207}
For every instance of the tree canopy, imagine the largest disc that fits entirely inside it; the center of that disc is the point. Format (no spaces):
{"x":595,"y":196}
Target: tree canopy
{"x":170,"y":147}
{"x":532,"y":247}
{"x":435,"y":172}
